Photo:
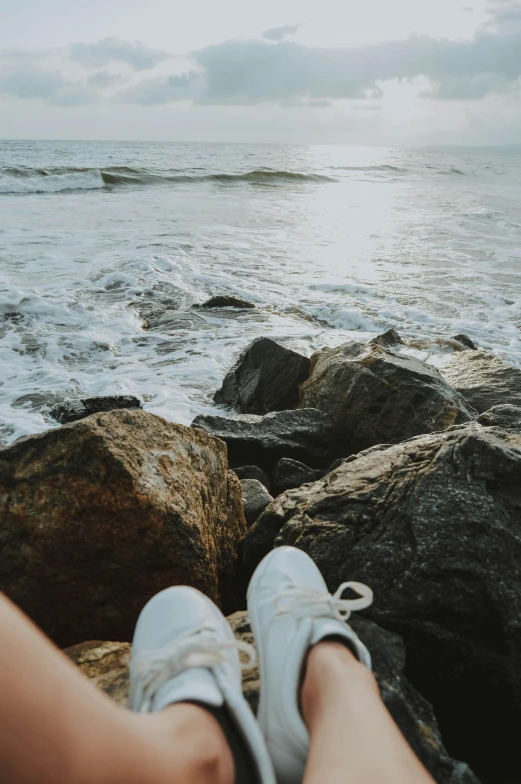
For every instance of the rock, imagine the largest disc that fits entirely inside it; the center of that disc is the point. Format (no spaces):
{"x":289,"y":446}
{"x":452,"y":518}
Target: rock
{"x":266,"y":378}
{"x":72,"y":410}
{"x":375,"y":396}
{"x":370,"y":451}
{"x":225,"y":301}
{"x":465,"y":340}
{"x":389,"y":338}
{"x":433,"y":525}
{"x":288,"y":474}
{"x":106,"y":664}
{"x":483,"y":379}
{"x":253,"y":472}
{"x":505,"y":416}
{"x":302,"y":435}
{"x":255,"y":498}
{"x":99,"y":515}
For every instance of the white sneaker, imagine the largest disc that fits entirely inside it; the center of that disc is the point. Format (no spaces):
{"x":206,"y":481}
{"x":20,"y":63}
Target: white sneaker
{"x":185,"y":651}
{"x":290,"y":610}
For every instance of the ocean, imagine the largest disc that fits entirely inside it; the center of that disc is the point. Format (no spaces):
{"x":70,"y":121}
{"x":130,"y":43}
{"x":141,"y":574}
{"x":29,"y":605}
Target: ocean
{"x":106,"y":246}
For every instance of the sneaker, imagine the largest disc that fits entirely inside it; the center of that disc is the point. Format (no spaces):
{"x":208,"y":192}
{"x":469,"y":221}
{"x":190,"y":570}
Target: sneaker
{"x":185,"y":651}
{"x":290,"y":610}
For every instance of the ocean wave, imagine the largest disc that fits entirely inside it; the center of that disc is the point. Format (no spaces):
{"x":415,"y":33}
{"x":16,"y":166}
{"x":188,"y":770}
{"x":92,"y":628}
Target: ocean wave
{"x":51,"y":183}
{"x":381,"y":168}
{"x":56,"y":179}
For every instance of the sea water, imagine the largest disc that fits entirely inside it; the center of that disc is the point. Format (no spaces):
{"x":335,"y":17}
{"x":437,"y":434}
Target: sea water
{"x":105,"y":247}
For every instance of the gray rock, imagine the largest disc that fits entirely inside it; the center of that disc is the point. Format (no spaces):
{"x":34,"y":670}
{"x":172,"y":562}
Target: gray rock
{"x":483,"y":379}
{"x":465,"y":341}
{"x":72,"y":410}
{"x":389,"y":338}
{"x":266,"y":378}
{"x":375,"y":396}
{"x":288,"y":474}
{"x":226,"y":301}
{"x":434,"y":527}
{"x":505,"y":416}
{"x":305,"y":434}
{"x":255,"y":498}
{"x":253,"y":472}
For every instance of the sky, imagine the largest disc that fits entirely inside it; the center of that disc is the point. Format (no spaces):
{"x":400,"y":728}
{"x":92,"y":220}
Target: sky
{"x":378,"y":72}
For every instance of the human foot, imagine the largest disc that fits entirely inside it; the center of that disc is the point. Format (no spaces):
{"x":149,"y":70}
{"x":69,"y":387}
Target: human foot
{"x":185,"y":651}
{"x":290,"y":611}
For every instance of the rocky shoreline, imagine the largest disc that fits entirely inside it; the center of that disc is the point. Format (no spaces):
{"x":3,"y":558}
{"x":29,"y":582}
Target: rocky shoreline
{"x":384,"y":469}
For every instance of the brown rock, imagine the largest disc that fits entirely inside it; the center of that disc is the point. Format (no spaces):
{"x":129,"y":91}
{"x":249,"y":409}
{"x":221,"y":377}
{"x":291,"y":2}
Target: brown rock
{"x":99,"y":515}
{"x":105,"y":664}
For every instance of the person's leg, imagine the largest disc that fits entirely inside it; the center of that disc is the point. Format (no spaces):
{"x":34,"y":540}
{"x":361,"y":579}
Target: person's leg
{"x":352,"y":736}
{"x":57,"y":727}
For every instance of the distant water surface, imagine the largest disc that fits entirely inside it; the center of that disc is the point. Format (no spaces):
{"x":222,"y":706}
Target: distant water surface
{"x":105,"y":247}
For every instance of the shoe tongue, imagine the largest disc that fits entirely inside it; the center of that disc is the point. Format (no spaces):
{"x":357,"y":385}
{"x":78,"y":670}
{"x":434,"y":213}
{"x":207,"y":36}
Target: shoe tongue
{"x":193,"y":685}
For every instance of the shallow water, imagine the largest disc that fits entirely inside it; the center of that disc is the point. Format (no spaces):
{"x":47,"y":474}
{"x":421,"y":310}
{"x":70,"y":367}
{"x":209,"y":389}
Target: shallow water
{"x":104,"y":248}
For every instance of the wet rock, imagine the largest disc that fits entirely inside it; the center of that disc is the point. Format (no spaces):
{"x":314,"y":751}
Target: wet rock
{"x":305,"y":434}
{"x":433,"y":525}
{"x":389,"y":338}
{"x":99,"y":515}
{"x":465,"y":341}
{"x":288,"y":474}
{"x":266,"y":378}
{"x":72,"y":410}
{"x":483,"y":379}
{"x":255,"y":498}
{"x":225,"y":301}
{"x":106,"y":664}
{"x":253,"y":472}
{"x":375,"y":396}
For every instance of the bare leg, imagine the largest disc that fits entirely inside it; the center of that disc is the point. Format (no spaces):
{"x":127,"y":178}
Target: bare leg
{"x":57,"y":727}
{"x":353,"y":737}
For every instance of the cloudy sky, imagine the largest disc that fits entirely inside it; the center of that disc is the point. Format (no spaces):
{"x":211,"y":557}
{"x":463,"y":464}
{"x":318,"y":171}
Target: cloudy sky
{"x":391,"y":72}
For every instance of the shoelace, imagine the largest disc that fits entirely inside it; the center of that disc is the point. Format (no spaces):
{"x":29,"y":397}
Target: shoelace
{"x":196,"y":648}
{"x":303,"y":601}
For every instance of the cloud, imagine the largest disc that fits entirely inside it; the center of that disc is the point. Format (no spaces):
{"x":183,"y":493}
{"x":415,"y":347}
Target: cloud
{"x":33,"y":82}
{"x":279,"y":33}
{"x":105,"y":79}
{"x":277,"y":71}
{"x":165,"y":89}
{"x":135,"y":54}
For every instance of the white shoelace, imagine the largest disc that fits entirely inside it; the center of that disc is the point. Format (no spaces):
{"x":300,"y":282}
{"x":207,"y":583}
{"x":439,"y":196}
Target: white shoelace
{"x":306,"y":602}
{"x":195,"y":648}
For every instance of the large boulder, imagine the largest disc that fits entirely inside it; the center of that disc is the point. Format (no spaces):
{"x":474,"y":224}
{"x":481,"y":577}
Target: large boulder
{"x":106,"y":664}
{"x":97,"y":516}
{"x":433,"y":525}
{"x":483,"y":379}
{"x":374,"y":395}
{"x":72,"y":410}
{"x":305,"y":435}
{"x":266,"y":378}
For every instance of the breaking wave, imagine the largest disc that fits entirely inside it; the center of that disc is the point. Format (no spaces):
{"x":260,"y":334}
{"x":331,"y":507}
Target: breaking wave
{"x":54,"y":180}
